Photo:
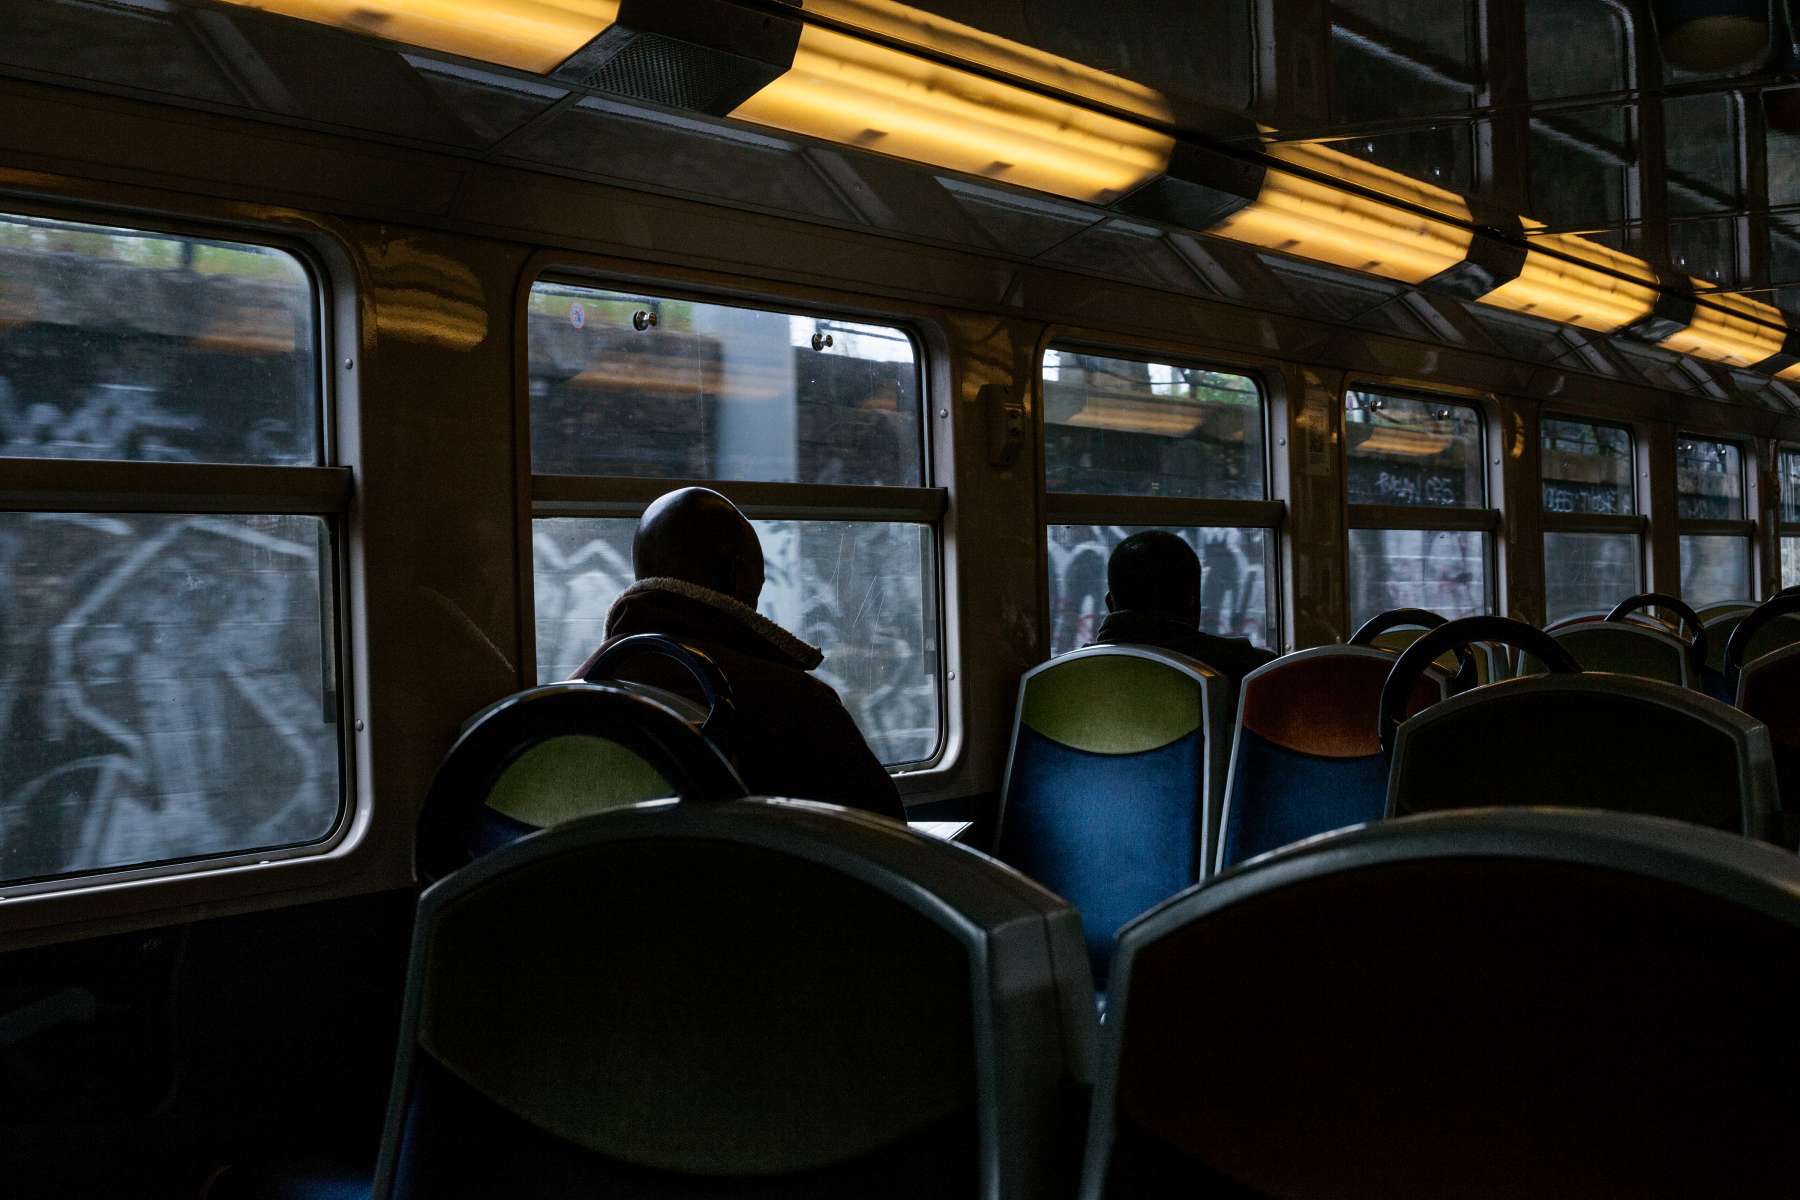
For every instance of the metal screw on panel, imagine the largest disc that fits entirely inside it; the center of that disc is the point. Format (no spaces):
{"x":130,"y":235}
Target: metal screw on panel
{"x":943,"y":412}
{"x":348,"y":363}
{"x":953,"y":675}
{"x":1281,"y":441}
{"x":359,"y":725}
{"x":642,"y":319}
{"x":821,"y":340}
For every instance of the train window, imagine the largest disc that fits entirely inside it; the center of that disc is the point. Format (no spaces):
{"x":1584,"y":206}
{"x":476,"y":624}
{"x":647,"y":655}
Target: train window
{"x":1420,"y":526}
{"x":1592,"y":534}
{"x":629,"y":384}
{"x":1716,"y":536}
{"x":1236,"y":571}
{"x":1130,"y":427}
{"x":1789,"y":461}
{"x":1138,"y":443}
{"x":170,"y":688}
{"x":812,"y":424}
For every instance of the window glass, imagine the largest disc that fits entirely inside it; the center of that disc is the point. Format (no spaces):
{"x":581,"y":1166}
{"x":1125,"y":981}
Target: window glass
{"x":1790,"y":561}
{"x":714,"y":391}
{"x":1583,"y":166}
{"x":860,"y":591}
{"x":1574,"y":49}
{"x":1586,"y":468}
{"x":1235,"y":581}
{"x":121,"y":344}
{"x":1700,"y":134}
{"x":1790,"y":487}
{"x":1404,"y":450}
{"x":1588,"y":572}
{"x":1709,"y":480}
{"x":1714,"y":568}
{"x":1124,"y":427}
{"x":1444,"y":571}
{"x":1396,"y":58}
{"x":167,"y":688}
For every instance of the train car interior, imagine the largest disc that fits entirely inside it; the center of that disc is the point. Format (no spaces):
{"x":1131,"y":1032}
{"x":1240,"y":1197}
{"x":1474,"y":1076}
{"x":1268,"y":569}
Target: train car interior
{"x":702,"y":599}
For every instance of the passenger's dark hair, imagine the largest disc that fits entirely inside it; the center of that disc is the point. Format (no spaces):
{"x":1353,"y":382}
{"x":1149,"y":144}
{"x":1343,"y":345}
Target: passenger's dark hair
{"x":1156,"y":571}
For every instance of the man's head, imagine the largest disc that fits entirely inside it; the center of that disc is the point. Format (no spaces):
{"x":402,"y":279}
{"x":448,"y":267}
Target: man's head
{"x":1155,"y":571}
{"x":699,"y":536}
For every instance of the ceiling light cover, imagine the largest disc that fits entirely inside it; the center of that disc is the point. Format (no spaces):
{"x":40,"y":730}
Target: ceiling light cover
{"x":532,"y":35}
{"x":1731,"y":329}
{"x":1605,"y":290}
{"x":1299,"y":215}
{"x":859,"y":93}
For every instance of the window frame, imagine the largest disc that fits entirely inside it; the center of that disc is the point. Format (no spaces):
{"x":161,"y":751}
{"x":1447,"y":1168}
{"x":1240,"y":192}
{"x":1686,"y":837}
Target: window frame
{"x":1488,"y":519}
{"x":1743,"y":528}
{"x":549,"y":496}
{"x":1167,"y":512}
{"x":1784,"y":529}
{"x":323,"y":490}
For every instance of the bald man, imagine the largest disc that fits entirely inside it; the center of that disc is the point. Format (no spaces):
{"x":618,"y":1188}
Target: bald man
{"x":699,"y":571}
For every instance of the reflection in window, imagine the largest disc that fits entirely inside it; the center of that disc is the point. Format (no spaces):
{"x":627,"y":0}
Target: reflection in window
{"x":1784,"y":255}
{"x":1574,"y":49}
{"x":1582,"y":166}
{"x":1404,"y":450}
{"x":1709,"y":481}
{"x":1783,"y":155}
{"x":1790,"y":487}
{"x":1124,"y":427}
{"x":1790,"y":561}
{"x":638,"y":385}
{"x":167,"y":688}
{"x":1700,"y":136}
{"x":1442,"y":570}
{"x":1588,"y":572}
{"x":123,"y":344}
{"x":861,"y":591}
{"x":1586,"y":468}
{"x":1397,"y":58}
{"x":1714,"y":568}
{"x":1437,"y":154}
{"x":1235,"y":593}
{"x":1706,"y":249}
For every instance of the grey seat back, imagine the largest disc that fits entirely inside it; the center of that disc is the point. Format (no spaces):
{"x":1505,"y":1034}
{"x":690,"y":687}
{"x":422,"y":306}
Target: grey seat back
{"x":1625,"y":648}
{"x":1474,"y":1004}
{"x":755,"y":998}
{"x":1592,"y":741}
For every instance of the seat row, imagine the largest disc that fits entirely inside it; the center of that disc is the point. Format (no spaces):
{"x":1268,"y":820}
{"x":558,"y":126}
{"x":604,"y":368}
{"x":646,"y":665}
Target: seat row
{"x":762,"y":998}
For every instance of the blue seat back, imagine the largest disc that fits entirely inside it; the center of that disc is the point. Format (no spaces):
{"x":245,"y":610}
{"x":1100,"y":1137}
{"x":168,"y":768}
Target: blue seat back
{"x":760,"y":998}
{"x":1107,"y":791}
{"x":1307,"y":757}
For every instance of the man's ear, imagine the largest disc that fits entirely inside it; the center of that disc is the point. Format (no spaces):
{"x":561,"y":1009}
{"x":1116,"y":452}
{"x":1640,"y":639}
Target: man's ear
{"x":1109,"y":603}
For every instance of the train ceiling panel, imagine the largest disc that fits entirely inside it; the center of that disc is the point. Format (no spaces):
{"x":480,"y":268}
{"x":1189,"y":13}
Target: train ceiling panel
{"x":1405,"y":165}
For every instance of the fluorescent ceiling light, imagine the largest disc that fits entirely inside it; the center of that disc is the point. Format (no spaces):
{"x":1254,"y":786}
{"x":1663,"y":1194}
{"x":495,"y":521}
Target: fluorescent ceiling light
{"x":1404,"y":443}
{"x":1731,"y":329}
{"x":1579,"y":292}
{"x":532,"y":35}
{"x":859,"y":93}
{"x":913,"y":27}
{"x":1298,"y":215}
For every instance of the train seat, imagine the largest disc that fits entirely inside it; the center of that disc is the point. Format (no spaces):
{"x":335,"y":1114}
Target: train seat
{"x":1623,"y":648}
{"x":1113,"y":786}
{"x":552,"y":753}
{"x":1307,"y":758}
{"x":1581,"y":740}
{"x":1399,"y":628}
{"x":758,"y":999}
{"x":1482,"y":1004}
{"x":1769,"y":691}
{"x":1770,"y":626}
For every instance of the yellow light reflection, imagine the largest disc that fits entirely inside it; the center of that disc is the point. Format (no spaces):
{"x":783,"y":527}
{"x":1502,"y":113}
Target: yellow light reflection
{"x":1405,"y":443}
{"x":1792,"y":374}
{"x":1731,"y":329}
{"x":913,"y":27}
{"x":533,"y":35}
{"x":858,"y":93}
{"x":1588,"y":293}
{"x":1296,"y":215}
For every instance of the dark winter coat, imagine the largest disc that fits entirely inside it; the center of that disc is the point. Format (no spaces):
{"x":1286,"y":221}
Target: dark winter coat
{"x":793,"y":736}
